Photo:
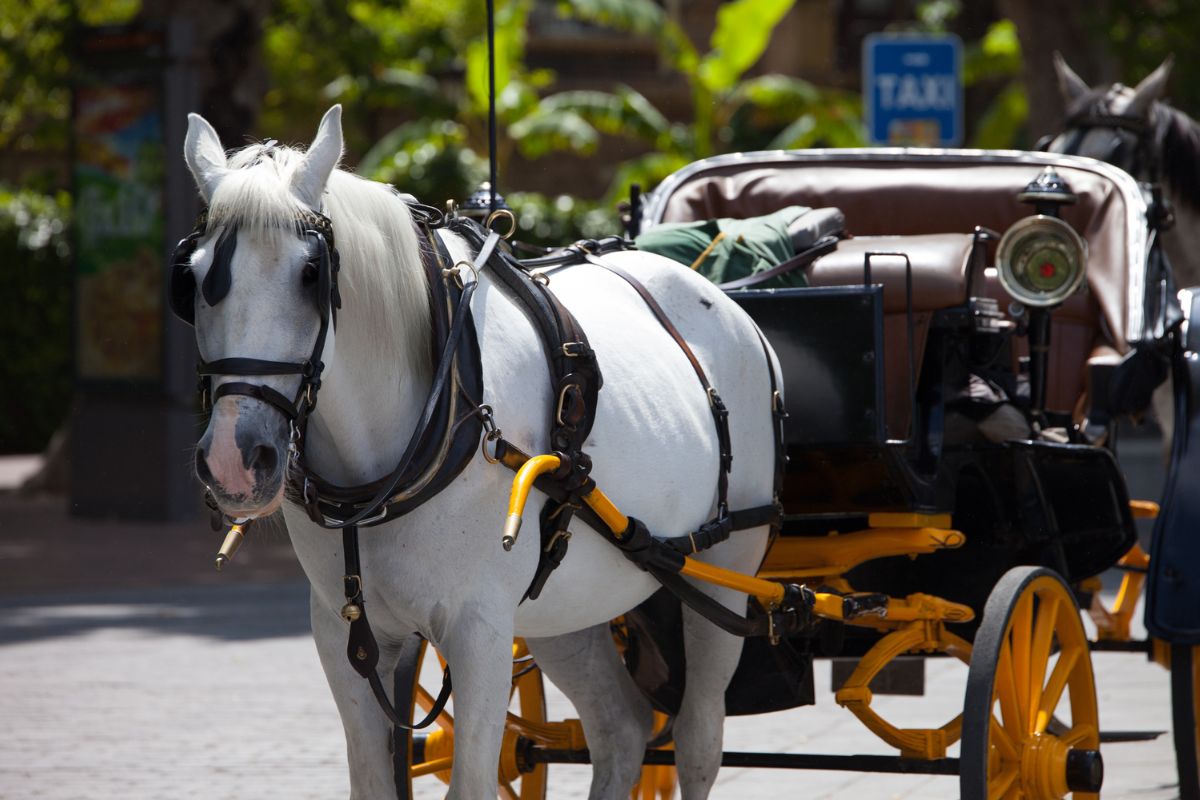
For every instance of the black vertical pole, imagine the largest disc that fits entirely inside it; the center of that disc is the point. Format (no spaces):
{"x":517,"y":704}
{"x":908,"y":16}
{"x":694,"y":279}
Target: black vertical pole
{"x":491,"y":41}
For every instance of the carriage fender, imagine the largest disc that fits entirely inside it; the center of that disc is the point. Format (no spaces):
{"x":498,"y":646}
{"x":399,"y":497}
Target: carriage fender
{"x":1173,"y":584}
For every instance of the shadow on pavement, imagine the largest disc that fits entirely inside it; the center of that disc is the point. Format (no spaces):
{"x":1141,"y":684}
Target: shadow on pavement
{"x":231,"y":613}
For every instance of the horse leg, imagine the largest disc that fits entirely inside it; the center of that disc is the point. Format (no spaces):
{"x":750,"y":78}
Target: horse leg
{"x":616,"y":718}
{"x":477,"y":644}
{"x":712,"y":656}
{"x":368,"y":731}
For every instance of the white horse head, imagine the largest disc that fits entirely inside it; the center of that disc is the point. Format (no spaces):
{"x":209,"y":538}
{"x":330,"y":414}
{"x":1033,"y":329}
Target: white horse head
{"x":258,"y":202}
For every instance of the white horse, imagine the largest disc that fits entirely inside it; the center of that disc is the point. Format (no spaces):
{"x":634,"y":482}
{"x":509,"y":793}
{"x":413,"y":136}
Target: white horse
{"x":440,"y":571}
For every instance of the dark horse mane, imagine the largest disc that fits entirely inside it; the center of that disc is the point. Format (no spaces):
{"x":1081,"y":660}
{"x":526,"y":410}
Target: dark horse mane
{"x":1176,"y":138}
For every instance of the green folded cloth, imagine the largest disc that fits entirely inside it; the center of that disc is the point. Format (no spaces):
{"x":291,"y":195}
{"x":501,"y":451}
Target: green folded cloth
{"x":724,"y":250}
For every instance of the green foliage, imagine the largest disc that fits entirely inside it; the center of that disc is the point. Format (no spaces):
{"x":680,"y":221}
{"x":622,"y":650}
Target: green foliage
{"x":35,"y":266}
{"x":553,"y":221}
{"x":728,"y":114}
{"x":997,"y":58}
{"x":35,"y":67}
{"x":1141,"y":37}
{"x":426,"y":158}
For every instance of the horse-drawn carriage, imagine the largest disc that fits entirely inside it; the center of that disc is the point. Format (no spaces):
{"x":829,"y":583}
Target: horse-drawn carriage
{"x":945,"y":481}
{"x":951,"y":486}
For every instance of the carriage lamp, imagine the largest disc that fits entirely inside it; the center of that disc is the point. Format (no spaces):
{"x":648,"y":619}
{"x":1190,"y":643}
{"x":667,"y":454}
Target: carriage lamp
{"x":1041,"y":261}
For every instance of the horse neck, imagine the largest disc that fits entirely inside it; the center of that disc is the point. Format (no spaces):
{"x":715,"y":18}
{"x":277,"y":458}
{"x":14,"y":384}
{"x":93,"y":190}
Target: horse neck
{"x":1182,"y":242}
{"x":379,"y":373}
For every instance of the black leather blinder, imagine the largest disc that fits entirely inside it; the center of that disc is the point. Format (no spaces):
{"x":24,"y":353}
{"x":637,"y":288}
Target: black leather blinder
{"x":181,"y":288}
{"x":328,"y":298}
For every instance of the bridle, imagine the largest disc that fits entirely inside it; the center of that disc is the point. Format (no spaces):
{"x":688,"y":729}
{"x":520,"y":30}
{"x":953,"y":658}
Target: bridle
{"x":324,"y":261}
{"x":1141,"y":161}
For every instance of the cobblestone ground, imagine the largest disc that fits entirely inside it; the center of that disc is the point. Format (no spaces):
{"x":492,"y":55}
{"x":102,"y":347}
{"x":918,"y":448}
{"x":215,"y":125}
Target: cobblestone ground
{"x":215,"y":692}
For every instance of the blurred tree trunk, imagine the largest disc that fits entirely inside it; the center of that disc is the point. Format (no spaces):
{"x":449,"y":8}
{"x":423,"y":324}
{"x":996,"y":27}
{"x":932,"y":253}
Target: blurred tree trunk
{"x":1044,"y":26}
{"x":228,"y":43}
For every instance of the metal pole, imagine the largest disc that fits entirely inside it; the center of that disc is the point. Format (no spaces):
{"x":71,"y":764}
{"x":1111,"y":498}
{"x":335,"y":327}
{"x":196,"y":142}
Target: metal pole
{"x":491,"y":42}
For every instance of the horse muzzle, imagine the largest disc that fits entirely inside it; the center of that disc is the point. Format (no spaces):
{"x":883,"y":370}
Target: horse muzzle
{"x":242,"y":457}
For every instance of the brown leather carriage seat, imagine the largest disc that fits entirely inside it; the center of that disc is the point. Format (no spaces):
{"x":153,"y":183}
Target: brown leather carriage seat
{"x":929,"y":209}
{"x":940,"y":264}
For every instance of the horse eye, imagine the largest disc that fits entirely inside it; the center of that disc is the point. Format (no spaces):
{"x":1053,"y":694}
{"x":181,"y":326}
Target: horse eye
{"x":310,"y":274}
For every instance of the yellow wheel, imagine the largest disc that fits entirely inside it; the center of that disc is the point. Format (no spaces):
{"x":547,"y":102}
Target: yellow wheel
{"x":420,"y":755}
{"x":1185,"y":717}
{"x":1030,"y":666}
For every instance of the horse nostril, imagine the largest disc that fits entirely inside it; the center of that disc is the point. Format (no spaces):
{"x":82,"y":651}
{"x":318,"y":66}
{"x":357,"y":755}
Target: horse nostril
{"x":202,"y":471}
{"x":263,"y":458}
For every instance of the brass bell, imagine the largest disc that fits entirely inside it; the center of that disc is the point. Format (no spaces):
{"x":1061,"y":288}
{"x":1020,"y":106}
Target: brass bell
{"x":351,"y":612}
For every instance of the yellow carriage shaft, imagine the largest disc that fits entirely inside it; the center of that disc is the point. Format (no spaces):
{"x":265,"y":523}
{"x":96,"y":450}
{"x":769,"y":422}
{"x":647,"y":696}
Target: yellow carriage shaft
{"x":769,"y":593}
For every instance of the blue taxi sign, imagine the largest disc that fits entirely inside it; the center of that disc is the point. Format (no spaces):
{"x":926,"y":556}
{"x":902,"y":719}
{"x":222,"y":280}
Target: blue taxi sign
{"x":912,"y":89}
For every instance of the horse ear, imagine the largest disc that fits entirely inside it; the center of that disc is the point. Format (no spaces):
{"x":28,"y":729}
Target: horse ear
{"x":310,"y":177}
{"x":1152,"y":87}
{"x":1071,"y":85}
{"x":204,"y":155}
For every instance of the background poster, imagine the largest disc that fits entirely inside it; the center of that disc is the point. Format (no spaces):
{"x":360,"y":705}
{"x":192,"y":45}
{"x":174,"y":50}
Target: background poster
{"x":119,"y":214}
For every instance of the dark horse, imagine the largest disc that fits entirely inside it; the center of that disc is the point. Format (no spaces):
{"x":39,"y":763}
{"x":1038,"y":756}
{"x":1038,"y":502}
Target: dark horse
{"x":1160,"y":146}
{"x":1135,"y":130}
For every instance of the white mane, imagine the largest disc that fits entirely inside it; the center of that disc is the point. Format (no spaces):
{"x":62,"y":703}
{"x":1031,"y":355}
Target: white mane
{"x":382,"y":282}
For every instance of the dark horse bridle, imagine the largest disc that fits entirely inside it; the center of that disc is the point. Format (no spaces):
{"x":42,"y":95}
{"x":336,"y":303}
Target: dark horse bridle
{"x":321,"y":271}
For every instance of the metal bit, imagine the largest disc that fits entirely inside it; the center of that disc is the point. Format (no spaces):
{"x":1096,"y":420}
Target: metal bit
{"x":233,"y":540}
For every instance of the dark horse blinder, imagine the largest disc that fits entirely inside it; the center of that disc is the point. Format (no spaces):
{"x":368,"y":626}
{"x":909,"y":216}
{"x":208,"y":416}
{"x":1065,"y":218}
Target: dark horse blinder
{"x":321,"y":270}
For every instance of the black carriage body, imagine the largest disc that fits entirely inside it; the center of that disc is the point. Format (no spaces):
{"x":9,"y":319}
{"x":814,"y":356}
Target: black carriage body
{"x":881,"y":378}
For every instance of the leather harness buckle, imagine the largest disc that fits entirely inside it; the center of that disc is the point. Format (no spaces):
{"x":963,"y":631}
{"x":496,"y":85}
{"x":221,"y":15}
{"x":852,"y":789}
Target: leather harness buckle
{"x":352,"y":585}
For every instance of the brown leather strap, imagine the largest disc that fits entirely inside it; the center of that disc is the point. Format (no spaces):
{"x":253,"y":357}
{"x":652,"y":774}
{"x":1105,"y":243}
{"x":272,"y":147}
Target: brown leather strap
{"x":716,"y":405}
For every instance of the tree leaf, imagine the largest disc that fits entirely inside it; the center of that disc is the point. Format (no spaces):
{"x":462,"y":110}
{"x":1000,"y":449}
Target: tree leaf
{"x":545,"y":131}
{"x":744,"y":28}
{"x":642,"y":18}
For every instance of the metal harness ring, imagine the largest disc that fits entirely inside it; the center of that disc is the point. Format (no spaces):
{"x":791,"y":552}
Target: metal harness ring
{"x":502,"y":213}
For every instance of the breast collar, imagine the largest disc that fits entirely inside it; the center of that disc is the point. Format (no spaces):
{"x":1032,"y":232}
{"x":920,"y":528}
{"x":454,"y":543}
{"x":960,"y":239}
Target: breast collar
{"x":452,"y":419}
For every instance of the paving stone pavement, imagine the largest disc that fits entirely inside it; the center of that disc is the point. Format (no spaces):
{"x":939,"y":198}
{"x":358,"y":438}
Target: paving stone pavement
{"x":215,"y":693}
{"x":130,"y":670}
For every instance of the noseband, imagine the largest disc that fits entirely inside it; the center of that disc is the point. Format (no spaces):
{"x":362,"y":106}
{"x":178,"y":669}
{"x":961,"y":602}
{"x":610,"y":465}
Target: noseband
{"x":313,"y":226}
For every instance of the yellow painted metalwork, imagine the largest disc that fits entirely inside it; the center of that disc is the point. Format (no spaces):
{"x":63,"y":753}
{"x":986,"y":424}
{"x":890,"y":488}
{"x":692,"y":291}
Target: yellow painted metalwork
{"x":907,"y":519}
{"x":816,"y":556}
{"x":604,"y":508}
{"x":1024,"y":754}
{"x":1144,"y":509}
{"x":233,"y":540}
{"x":521,"y":486}
{"x":768,"y":593}
{"x":923,"y":636}
{"x":1114,"y":624}
{"x":919,"y":608}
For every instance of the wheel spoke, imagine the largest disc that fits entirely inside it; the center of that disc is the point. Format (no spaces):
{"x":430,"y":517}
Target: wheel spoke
{"x":507,"y":791}
{"x":999,"y":784}
{"x":1067,"y":659}
{"x":1006,"y":692}
{"x":1080,"y":734}
{"x":1002,"y":742}
{"x":1039,"y":656}
{"x":1020,"y":634}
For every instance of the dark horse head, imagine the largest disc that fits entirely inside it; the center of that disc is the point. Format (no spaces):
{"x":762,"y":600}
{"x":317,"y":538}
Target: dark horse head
{"x":1132,"y":128}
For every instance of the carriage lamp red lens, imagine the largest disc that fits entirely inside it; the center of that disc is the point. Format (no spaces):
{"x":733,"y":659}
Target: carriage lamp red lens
{"x":1041,"y":260}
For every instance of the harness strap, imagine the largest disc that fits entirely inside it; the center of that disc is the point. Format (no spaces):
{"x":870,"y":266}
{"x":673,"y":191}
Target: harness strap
{"x":361,"y":647}
{"x":436,"y":427}
{"x":716,"y":405}
{"x":266,"y":394}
